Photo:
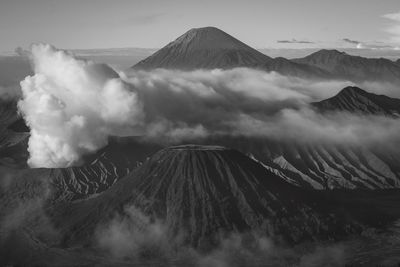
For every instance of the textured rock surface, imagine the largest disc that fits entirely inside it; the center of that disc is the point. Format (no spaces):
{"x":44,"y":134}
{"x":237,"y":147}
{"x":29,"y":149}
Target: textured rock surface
{"x":356,"y":100}
{"x":201,"y":191}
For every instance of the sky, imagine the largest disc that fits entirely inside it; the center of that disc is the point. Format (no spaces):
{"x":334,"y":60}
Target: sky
{"x":153,"y":23}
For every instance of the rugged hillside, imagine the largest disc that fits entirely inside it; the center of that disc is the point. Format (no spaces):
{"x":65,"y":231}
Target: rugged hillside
{"x":101,"y":170}
{"x":208,"y":48}
{"x":321,"y":166}
{"x":200,"y":191}
{"x":356,"y":100}
{"x":354,"y":68}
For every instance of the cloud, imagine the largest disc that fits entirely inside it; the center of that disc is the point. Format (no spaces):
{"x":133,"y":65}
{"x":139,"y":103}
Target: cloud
{"x":294,"y":41}
{"x":133,"y":236}
{"x":72,"y":106}
{"x":363,"y":45}
{"x":351,"y":41}
{"x":394,"y":28}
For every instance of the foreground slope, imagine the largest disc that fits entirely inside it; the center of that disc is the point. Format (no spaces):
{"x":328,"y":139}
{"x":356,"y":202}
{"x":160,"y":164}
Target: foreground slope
{"x":199,"y":192}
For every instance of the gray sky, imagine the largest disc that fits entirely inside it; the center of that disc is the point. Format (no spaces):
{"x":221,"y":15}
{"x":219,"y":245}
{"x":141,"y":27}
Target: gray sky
{"x":153,"y":23}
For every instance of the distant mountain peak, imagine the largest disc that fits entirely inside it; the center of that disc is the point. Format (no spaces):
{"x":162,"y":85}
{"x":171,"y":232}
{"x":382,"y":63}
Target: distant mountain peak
{"x":352,"y":90}
{"x":207,"y":47}
{"x":327,"y":54}
{"x":208,"y":38}
{"x":356,"y":100}
{"x":331,"y":52}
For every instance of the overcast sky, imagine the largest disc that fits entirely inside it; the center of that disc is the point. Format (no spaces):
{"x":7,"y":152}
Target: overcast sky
{"x":153,"y":23}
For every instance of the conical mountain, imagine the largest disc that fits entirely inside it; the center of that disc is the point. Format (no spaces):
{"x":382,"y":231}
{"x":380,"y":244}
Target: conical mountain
{"x":356,"y":100}
{"x":199,"y":192}
{"x":207,"y":47}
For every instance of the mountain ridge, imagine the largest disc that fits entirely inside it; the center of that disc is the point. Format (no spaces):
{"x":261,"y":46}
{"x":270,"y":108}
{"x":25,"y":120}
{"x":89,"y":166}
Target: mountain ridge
{"x":354,"y":99}
{"x":354,"y":68}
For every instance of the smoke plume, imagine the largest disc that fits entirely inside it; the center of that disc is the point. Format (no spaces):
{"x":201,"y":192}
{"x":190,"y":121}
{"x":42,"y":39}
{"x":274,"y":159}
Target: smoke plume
{"x":72,"y":106}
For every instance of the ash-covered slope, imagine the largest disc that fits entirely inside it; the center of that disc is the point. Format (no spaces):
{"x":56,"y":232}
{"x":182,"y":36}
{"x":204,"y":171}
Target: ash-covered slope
{"x":354,"y":68}
{"x":201,"y":191}
{"x":321,"y":166}
{"x":99,"y":172}
{"x":356,"y":100}
{"x":207,"y":48}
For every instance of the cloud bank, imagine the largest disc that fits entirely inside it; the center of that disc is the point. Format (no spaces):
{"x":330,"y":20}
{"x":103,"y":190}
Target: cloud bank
{"x":72,"y":107}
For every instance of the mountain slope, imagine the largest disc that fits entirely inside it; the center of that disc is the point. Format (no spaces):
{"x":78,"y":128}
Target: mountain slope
{"x":201,"y":191}
{"x":321,"y":166}
{"x":208,"y":48}
{"x":356,"y":100}
{"x":354,"y":68}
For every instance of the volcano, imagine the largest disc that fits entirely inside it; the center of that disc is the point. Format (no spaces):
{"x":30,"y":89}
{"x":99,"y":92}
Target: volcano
{"x":211,"y":48}
{"x":199,"y":192}
{"x":208,"y":48}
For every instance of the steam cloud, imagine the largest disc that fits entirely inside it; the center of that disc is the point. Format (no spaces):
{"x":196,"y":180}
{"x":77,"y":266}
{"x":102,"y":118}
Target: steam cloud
{"x":72,"y":107}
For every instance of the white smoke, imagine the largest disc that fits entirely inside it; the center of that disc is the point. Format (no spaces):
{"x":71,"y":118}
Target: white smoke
{"x":72,"y":106}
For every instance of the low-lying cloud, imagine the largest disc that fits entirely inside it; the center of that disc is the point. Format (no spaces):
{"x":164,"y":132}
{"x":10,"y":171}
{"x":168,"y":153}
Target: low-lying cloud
{"x":72,"y":107}
{"x":134,"y":237}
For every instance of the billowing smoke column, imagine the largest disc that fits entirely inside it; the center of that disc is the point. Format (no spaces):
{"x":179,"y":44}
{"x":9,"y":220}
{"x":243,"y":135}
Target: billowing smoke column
{"x":72,"y":106}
